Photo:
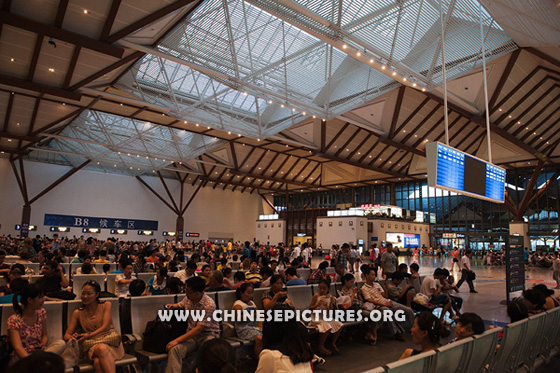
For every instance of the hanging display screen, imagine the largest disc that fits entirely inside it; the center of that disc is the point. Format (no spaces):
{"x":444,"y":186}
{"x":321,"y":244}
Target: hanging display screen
{"x":453,"y":170}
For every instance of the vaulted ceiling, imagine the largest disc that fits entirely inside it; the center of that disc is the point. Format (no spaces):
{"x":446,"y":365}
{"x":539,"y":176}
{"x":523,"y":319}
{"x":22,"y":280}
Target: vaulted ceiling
{"x":276,"y":95}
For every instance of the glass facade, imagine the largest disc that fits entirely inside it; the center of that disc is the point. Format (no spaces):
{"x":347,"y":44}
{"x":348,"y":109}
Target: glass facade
{"x":484,"y":222}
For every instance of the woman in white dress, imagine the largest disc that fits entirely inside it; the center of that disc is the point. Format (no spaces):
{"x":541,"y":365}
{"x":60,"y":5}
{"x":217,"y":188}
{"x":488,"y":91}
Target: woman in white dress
{"x":325,"y":302}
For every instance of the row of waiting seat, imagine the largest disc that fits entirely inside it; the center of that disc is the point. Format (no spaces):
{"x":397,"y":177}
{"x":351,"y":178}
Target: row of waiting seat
{"x":145,"y":309}
{"x":525,"y":346}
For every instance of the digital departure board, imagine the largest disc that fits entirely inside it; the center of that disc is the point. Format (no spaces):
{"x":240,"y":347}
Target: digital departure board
{"x":453,"y":170}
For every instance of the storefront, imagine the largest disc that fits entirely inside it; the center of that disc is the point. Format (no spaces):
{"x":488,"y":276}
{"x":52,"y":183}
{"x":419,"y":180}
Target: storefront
{"x":450,"y":240}
{"x":485,"y":242}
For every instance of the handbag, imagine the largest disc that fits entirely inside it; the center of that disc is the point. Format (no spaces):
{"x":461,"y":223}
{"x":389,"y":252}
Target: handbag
{"x":109,"y":337}
{"x":71,"y":354}
{"x":472,"y":276}
{"x":158,"y":334}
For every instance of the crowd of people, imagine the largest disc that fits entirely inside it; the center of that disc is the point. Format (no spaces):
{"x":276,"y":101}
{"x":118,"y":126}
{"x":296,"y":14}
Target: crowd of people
{"x":196,"y":268}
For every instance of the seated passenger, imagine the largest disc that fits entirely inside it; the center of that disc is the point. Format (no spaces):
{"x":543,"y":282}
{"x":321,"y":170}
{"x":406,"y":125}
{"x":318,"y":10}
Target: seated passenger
{"x":448,"y":287}
{"x":248,"y":331}
{"x":16,"y":286}
{"x":16,"y":271}
{"x":137,"y":288}
{"x":468,"y":324}
{"x":318,"y":274}
{"x":215,"y":356}
{"x":266,"y":273}
{"x":534,"y":301}
{"x":205,"y":273}
{"x":286,"y":347}
{"x":198,"y":332}
{"x":426,"y":332}
{"x":292,"y":278}
{"x":325,"y":301}
{"x":252,"y":275}
{"x":349,"y":297}
{"x":53,"y":281}
{"x":238,"y":279}
{"x":86,"y":269}
{"x":186,"y":273}
{"x":415,"y":277}
{"x":431,"y":288}
{"x":216,"y":282}
{"x":99,"y":341}
{"x":157,"y":284}
{"x":277,"y":296}
{"x":27,"y":327}
{"x":402,"y":295}
{"x":49,"y":363}
{"x":550,"y":301}
{"x":373,"y":295}
{"x":174,"y":286}
{"x":123,"y":280}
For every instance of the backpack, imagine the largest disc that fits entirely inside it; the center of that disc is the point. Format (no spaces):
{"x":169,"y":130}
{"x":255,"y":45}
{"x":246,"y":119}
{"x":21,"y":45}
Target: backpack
{"x":159,"y":333}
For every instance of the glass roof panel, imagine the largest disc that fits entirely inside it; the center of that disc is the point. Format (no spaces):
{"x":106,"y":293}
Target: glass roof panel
{"x":125,"y":143}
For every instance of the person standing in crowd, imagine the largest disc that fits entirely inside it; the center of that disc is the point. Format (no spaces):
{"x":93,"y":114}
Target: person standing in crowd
{"x":388,"y":261}
{"x":198,"y":332}
{"x":99,"y":341}
{"x":466,"y":274}
{"x":27,"y":327}
{"x":555,"y":269}
{"x":343,"y":256}
{"x":455,"y":254}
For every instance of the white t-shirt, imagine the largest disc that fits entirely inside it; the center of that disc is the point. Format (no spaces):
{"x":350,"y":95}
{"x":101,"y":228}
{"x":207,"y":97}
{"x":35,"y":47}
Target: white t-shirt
{"x":297,"y":251}
{"x":428,"y":284}
{"x":273,"y":361}
{"x":121,"y":290}
{"x":182,"y":275}
{"x":465,"y":261}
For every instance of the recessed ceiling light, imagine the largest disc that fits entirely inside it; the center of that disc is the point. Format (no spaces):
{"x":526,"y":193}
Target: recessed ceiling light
{"x":85,"y":11}
{"x":423,"y":89}
{"x":51,"y":69}
{"x":12,"y":59}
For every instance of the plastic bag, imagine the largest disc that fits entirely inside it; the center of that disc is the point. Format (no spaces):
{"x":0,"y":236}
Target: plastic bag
{"x":71,"y":354}
{"x":421,"y":299}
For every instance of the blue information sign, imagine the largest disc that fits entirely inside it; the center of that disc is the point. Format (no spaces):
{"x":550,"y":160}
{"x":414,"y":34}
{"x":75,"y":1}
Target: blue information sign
{"x":453,"y":170}
{"x":95,"y":222}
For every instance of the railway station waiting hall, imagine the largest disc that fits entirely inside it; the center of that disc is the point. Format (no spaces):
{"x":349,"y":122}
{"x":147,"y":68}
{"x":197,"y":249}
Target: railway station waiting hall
{"x":279,"y":186}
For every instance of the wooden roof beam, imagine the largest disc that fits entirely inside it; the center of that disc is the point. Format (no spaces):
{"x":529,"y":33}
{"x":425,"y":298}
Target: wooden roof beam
{"x":60,"y":34}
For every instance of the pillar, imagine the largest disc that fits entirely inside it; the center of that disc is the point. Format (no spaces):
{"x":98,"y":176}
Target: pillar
{"x":179,"y":226}
{"x":25,"y":220}
{"x":522,"y":229}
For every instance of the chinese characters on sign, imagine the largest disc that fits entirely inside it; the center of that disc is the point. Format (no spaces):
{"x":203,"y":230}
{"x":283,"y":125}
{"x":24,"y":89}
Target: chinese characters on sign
{"x":95,"y":222}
